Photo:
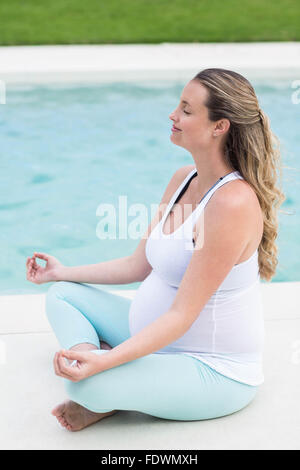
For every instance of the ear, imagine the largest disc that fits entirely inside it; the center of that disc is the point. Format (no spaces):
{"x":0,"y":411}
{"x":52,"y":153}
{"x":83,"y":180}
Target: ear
{"x":221,"y":127}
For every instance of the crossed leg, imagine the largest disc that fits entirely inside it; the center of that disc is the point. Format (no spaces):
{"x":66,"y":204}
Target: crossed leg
{"x":65,"y":314}
{"x":168,"y":386}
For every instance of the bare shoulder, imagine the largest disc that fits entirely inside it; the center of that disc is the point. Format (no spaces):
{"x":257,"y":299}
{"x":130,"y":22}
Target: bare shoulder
{"x":237,"y":192}
{"x":182,"y":173}
{"x":238,"y":200}
{"x":185,"y":170}
{"x":177,"y":178}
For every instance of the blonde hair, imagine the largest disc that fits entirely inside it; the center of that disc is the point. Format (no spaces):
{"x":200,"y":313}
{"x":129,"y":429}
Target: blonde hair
{"x":251,"y":148}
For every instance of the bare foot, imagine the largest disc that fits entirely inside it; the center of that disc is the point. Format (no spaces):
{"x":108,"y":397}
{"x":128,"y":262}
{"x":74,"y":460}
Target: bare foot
{"x":75,"y":417}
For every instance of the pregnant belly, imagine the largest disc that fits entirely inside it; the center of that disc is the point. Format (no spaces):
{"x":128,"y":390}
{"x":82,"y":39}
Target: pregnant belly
{"x":152,"y":299}
{"x":232,"y":326}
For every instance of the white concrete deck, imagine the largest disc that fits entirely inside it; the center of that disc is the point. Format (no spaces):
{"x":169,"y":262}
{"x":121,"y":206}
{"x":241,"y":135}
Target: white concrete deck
{"x":124,"y":62}
{"x":29,"y":389}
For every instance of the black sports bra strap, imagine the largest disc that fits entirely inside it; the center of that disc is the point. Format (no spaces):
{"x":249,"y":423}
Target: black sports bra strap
{"x":185,"y":188}
{"x":187,"y":185}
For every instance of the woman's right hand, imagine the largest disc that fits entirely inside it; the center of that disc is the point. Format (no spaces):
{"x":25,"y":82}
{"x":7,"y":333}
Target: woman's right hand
{"x":39,"y":274}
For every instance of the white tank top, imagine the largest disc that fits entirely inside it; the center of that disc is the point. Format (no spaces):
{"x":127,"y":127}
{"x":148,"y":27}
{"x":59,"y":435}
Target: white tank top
{"x":228,"y":333}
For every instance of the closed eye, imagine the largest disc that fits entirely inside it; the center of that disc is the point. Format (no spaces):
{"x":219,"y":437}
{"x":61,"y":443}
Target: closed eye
{"x":186,"y":112}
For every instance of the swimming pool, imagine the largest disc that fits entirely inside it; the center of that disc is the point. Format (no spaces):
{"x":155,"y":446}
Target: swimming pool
{"x":68,"y":148}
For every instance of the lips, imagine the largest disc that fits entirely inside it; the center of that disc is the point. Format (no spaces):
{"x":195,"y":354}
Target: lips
{"x":175,"y":128}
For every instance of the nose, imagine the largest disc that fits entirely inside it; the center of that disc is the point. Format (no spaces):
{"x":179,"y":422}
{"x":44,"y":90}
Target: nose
{"x":172,"y":116}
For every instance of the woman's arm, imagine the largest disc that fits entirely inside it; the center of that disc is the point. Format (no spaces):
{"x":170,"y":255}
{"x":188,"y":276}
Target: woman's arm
{"x":163,"y":331}
{"x":116,"y":271}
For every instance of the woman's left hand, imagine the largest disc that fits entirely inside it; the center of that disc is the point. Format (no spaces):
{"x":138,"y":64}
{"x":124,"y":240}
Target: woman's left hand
{"x":88,"y":363}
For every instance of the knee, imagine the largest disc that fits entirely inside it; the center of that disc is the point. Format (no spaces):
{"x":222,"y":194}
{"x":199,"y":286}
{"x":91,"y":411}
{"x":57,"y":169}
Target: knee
{"x":77,"y":391}
{"x":59,"y":289}
{"x":56,"y":292}
{"x":72,"y":390}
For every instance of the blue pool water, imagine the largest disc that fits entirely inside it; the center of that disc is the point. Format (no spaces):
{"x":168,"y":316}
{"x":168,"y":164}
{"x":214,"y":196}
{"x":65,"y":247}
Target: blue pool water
{"x":67,"y":149}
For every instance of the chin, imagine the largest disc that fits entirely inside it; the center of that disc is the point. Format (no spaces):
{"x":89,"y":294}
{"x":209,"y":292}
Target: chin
{"x":175,"y":143}
{"x":171,"y":138}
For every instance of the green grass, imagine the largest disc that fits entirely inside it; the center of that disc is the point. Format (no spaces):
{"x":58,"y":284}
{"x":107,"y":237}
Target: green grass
{"x":147,"y":21}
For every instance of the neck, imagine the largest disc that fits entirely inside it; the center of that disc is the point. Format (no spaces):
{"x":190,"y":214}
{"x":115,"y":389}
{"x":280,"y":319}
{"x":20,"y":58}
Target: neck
{"x":208,"y":174}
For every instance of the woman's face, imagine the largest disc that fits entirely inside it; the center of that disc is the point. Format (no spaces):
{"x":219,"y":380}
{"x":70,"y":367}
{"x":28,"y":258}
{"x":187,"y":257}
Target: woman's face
{"x":191,"y":117}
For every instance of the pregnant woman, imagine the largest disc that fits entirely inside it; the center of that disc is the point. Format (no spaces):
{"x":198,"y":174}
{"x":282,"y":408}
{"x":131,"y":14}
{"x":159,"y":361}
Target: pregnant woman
{"x":189,"y":346}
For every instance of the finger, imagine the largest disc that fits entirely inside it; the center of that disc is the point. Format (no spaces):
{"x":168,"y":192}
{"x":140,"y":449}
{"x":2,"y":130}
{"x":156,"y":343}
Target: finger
{"x":58,"y":370}
{"x":73,"y":355}
{"x":29,"y":272}
{"x":32,"y":268}
{"x":29,"y":265}
{"x":58,"y":365}
{"x":41,"y":255}
{"x":28,"y":262}
{"x":69,"y":372}
{"x":55,"y":364}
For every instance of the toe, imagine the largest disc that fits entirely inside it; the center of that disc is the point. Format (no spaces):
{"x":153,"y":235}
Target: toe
{"x":65,"y":424}
{"x":59,"y":410}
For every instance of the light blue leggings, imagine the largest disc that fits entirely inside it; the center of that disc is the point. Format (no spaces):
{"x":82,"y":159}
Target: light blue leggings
{"x":169,"y":386}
